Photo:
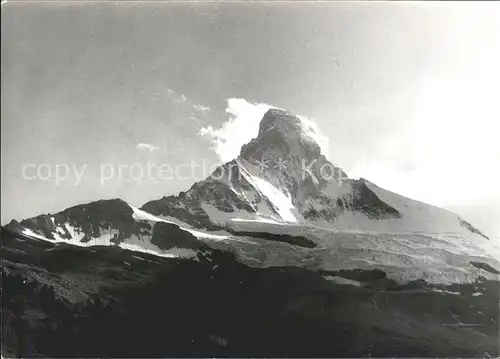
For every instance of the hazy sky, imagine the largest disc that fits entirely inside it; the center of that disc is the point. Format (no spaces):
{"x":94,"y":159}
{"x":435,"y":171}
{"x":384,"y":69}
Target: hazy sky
{"x":406,"y":95}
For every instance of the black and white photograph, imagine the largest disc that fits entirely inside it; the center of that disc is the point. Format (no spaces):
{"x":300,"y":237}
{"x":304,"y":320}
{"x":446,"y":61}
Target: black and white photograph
{"x":250,"y":179}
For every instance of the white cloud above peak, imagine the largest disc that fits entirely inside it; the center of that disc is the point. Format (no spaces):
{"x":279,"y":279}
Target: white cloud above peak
{"x":243,"y":126}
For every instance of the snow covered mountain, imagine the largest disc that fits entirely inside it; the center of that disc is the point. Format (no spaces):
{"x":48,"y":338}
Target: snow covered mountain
{"x":281,"y":177}
{"x":112,"y":222}
{"x":282,"y":203}
{"x":280,"y":184}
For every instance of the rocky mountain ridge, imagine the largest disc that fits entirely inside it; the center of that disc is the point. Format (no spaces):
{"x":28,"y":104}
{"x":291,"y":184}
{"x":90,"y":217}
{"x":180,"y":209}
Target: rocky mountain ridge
{"x":280,"y":177}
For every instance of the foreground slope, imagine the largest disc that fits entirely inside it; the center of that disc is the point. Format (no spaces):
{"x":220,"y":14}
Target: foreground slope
{"x":66,"y":301}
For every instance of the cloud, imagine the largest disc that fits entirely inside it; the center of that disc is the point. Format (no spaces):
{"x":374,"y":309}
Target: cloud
{"x":194,"y":118}
{"x":180,"y":99}
{"x":312,"y":130}
{"x":147,"y":146}
{"x":177,"y":97}
{"x":201,"y":108}
{"x":243,"y":126}
{"x":186,"y":104}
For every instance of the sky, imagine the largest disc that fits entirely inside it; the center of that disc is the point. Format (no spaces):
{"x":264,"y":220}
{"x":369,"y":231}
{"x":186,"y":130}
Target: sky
{"x":403,"y":94}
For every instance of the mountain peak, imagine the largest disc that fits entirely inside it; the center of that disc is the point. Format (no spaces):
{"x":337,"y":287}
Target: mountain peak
{"x":281,"y":121}
{"x":281,"y":133}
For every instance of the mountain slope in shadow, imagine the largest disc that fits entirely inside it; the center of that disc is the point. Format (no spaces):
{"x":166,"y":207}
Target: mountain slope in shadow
{"x":67,"y":301}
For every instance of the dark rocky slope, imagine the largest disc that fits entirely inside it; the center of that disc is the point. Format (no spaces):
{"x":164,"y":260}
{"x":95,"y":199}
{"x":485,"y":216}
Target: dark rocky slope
{"x":88,"y":220}
{"x":65,"y":301}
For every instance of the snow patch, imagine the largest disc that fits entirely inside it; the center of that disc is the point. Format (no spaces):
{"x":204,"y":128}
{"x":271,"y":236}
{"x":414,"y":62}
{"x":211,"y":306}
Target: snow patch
{"x":343,"y":281}
{"x":282,"y":203}
{"x":30,"y":233}
{"x":144,"y":249}
{"x":257,"y":220}
{"x":445,"y":292}
{"x":140,"y":215}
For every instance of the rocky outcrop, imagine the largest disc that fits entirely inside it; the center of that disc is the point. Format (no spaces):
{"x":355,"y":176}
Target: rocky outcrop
{"x":471,"y":228}
{"x":88,"y":221}
{"x":168,"y":235}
